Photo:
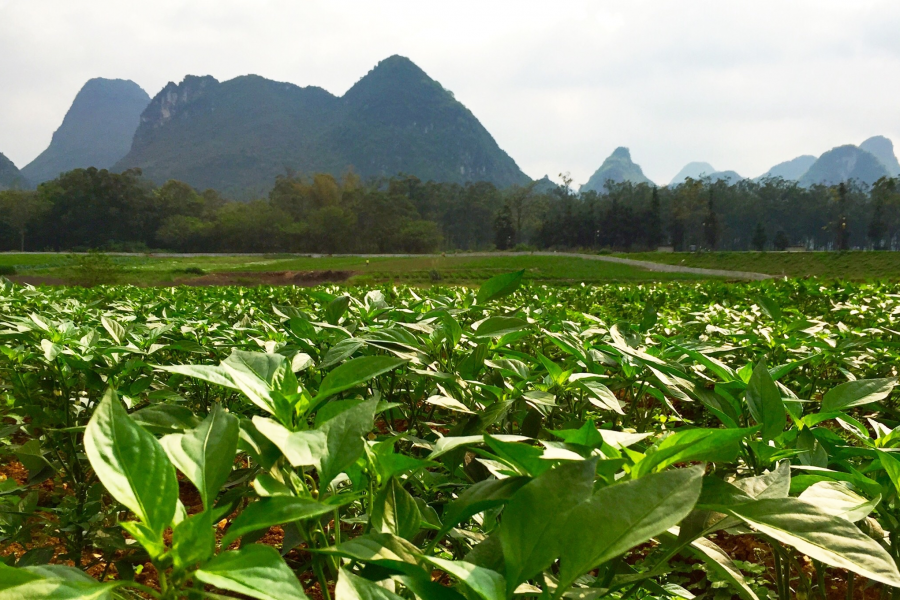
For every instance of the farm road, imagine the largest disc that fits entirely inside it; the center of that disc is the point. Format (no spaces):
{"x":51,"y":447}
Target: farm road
{"x":642,"y":264}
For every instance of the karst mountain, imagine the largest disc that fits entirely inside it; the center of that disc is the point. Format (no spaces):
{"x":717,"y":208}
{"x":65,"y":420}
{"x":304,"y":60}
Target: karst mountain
{"x":96,"y":132}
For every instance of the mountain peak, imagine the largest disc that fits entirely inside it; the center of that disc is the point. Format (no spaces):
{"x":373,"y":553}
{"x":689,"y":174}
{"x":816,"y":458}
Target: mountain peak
{"x":694,"y":170}
{"x":618,"y":167}
{"x":883,"y":149}
{"x":96,"y":131}
{"x":790,"y":170}
{"x":844,"y":163}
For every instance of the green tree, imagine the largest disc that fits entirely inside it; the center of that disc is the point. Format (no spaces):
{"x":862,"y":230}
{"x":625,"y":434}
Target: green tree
{"x":21,"y":210}
{"x":711,"y":225}
{"x":759,"y":238}
{"x":504,"y":229}
{"x":781,"y":241}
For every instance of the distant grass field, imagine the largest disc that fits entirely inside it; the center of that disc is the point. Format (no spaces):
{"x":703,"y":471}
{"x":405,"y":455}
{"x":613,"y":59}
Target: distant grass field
{"x":854,"y":265}
{"x":150,"y":270}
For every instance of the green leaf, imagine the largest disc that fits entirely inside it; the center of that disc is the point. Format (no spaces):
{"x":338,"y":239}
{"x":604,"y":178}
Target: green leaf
{"x":395,"y":511}
{"x":714,"y":445}
{"x":499,"y":286}
{"x":336,"y":309}
{"x":353,"y":587}
{"x":857,"y":393}
{"x":51,"y":582}
{"x":837,"y":499}
{"x":480,"y":497}
{"x":274,"y":510}
{"x":131,"y":464}
{"x":495,"y":327}
{"x":210,"y":373}
{"x":255,"y":570}
{"x":486,"y":584}
{"x":833,"y":540}
{"x":193,"y":541}
{"x":331,"y":448}
{"x":623,"y":515}
{"x":206,"y":453}
{"x":716,"y":559}
{"x":381,"y":549}
{"x":355,"y":372}
{"x":764,"y":402}
{"x":531,"y":533}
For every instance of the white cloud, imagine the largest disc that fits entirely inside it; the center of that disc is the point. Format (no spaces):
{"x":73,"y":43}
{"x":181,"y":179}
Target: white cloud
{"x":742,"y":84}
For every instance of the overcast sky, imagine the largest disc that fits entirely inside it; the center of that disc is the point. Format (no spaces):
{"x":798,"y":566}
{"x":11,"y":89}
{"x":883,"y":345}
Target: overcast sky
{"x":741,"y":84}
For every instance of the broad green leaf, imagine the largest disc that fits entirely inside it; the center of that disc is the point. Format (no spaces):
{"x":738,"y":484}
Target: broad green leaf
{"x":714,"y":445}
{"x":764,"y":402}
{"x":354,"y":587}
{"x":210,"y":373}
{"x":165,"y":418}
{"x":531,"y":533}
{"x":51,"y":582}
{"x":479,"y":497}
{"x":448,"y":403}
{"x":395,"y":511}
{"x":206,"y":454}
{"x":115,"y":330}
{"x":274,"y":510}
{"x":716,"y":559}
{"x":254,"y":570}
{"x":486,"y":584}
{"x":623,"y":515}
{"x":499,"y":286}
{"x":837,"y":499}
{"x":193,"y":540}
{"x":495,"y":327}
{"x":331,"y":448}
{"x":450,"y":443}
{"x":833,"y":540}
{"x":857,"y":393}
{"x":355,"y":372}
{"x":131,"y":464}
{"x":336,"y":309}
{"x":381,"y":549}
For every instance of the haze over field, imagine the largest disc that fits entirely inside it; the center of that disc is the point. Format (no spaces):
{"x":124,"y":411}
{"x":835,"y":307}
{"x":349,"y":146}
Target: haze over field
{"x":740,"y":85}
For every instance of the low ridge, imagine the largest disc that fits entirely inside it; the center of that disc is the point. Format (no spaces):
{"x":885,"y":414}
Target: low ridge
{"x":10,"y":177}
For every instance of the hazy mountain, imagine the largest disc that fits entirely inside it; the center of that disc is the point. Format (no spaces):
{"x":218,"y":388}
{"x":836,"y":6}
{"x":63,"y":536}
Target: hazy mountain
{"x":843,"y":164}
{"x":694,"y":170}
{"x":883,"y":149}
{"x":790,"y":170}
{"x":96,"y":132}
{"x":237,"y":136}
{"x":10,"y":177}
{"x":618,"y":167}
{"x":699,"y":170}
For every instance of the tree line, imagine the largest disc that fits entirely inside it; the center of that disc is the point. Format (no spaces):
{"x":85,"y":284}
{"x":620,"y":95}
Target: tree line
{"x":97,"y":209}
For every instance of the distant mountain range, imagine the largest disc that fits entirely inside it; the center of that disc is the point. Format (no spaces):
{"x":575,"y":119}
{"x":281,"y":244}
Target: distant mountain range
{"x":96,"y":132}
{"x":237,"y":136}
{"x":618,"y":167}
{"x":10,"y":176}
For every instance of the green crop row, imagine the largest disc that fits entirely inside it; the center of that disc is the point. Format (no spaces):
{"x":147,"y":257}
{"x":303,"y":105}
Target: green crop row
{"x":521,"y":441}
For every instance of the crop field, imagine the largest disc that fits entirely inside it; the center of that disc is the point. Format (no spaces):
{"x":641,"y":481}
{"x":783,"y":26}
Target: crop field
{"x":510,"y":440}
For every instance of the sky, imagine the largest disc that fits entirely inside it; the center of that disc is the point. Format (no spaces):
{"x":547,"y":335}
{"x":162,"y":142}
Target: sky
{"x":741,"y":84}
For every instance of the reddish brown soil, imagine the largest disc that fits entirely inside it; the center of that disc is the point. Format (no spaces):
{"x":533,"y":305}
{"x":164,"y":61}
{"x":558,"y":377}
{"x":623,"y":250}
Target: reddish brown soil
{"x":251,"y":278}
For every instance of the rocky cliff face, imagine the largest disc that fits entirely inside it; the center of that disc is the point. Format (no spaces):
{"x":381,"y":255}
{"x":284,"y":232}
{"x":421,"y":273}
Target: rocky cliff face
{"x":883,"y":149}
{"x":96,"y":132}
{"x":238,"y":136}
